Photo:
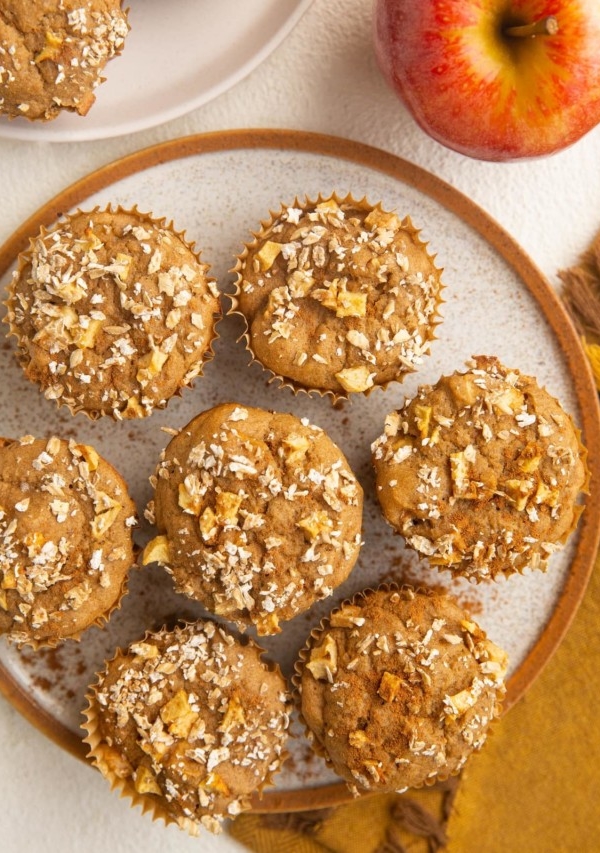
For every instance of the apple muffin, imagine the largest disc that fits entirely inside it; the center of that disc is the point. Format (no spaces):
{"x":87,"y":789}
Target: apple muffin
{"x":66,"y":522}
{"x":189,"y":723}
{"x":338,"y":296}
{"x":113,"y":311}
{"x":258,"y":514}
{"x":398,"y":687}
{"x":481,"y":472}
{"x":52,"y":55}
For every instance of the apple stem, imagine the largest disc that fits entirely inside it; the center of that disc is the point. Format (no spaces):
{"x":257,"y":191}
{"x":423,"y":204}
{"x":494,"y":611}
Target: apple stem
{"x":544,"y":27}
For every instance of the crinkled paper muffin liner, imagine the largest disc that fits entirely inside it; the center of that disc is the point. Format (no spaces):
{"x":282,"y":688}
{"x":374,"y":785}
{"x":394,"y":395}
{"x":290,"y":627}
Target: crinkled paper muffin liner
{"x":303,"y":657}
{"x":170,"y":529}
{"x":283,"y":381}
{"x":102,"y":619}
{"x":117,"y":770}
{"x":23,"y":342}
{"x":510,"y":568}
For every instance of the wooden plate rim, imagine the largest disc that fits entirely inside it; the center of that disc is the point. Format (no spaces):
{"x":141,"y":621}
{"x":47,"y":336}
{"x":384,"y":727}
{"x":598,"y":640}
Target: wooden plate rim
{"x":495,"y":235}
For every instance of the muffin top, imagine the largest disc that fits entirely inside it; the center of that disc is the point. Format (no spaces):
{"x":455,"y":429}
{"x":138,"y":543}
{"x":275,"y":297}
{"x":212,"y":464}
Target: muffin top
{"x":259,"y":514}
{"x":480,"y":472}
{"x":192,"y":720}
{"x":113,"y":312}
{"x":52,"y":54}
{"x":66,"y":546}
{"x":398,"y":687}
{"x":338,"y":296}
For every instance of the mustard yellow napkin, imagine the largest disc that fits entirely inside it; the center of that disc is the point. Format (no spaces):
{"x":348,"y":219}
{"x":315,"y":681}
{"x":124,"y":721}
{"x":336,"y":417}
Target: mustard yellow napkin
{"x":407,"y":823}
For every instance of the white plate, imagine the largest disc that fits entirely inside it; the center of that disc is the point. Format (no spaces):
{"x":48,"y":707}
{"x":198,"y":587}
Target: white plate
{"x":218,"y":187}
{"x":179,"y":55}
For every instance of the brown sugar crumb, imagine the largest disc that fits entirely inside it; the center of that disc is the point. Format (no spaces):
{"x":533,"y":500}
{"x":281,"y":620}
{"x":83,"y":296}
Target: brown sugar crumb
{"x":258,"y":513}
{"x":189,"y":722}
{"x":338,"y":296}
{"x":66,"y":523}
{"x":398,"y":688}
{"x":113,"y":312}
{"x":52,"y":55}
{"x":481,"y":472}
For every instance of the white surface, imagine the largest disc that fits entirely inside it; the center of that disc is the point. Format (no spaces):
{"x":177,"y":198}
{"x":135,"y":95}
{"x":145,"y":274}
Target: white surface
{"x":323,"y":77}
{"x":177,"y":56}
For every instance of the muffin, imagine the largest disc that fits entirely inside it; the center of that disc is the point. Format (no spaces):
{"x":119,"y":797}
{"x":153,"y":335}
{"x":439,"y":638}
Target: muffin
{"x":189,"y":723}
{"x":52,"y":55}
{"x":258,"y":513}
{"x":66,"y":547}
{"x":338,"y":296}
{"x":113,"y":312}
{"x":481,"y":472}
{"x":398,"y":687}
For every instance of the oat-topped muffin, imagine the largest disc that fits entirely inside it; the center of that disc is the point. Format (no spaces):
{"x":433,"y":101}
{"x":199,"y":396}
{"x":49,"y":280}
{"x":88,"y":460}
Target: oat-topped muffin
{"x":66,"y":546}
{"x":113,"y":311}
{"x":52,"y":55}
{"x":338,"y":296}
{"x":190,"y":723}
{"x":398,"y":687}
{"x":258,"y":512}
{"x":481,"y":472}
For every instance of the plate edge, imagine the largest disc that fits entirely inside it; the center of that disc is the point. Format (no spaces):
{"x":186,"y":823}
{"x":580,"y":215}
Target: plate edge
{"x":487,"y":227}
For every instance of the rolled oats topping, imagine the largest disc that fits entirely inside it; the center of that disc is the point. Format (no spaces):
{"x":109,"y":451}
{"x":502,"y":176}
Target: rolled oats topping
{"x":52,"y":54}
{"x":113,"y":312}
{"x":481,"y":472}
{"x":191,"y":722}
{"x":398,"y":687}
{"x":338,"y":296}
{"x":66,"y":523}
{"x":258,"y":514}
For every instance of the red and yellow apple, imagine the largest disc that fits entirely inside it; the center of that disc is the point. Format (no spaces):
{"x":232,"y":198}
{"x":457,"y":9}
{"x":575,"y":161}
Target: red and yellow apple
{"x":494,"y":79}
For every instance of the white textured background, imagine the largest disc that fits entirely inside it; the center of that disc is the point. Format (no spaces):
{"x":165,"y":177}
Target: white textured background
{"x":322,"y":78}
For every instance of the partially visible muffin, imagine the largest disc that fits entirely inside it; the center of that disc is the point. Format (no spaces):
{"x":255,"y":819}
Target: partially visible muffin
{"x":481,"y":472}
{"x":190,"y":723}
{"x":114,"y":313}
{"x":338,"y":296}
{"x":52,"y":55}
{"x":66,"y":522}
{"x":259,"y":514}
{"x":398,"y":687}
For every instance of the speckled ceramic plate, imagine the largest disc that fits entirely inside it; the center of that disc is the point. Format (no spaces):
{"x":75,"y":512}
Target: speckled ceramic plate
{"x":178,"y":55}
{"x":218,"y":187}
